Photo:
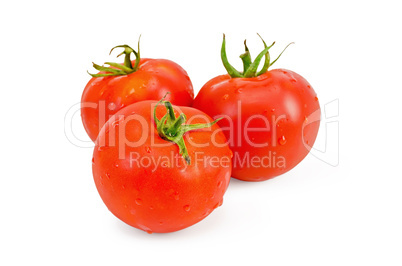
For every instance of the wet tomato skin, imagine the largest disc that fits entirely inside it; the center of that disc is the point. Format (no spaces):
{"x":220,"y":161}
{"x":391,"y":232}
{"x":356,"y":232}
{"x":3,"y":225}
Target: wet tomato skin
{"x":280,"y":103}
{"x":168,"y":195}
{"x":104,"y":96}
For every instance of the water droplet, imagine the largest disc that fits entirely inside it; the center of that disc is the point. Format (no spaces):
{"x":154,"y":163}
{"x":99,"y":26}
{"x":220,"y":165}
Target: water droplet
{"x":282,"y":140}
{"x":186,"y":208}
{"x":305,"y":119}
{"x":107,"y":175}
{"x":115,"y":123}
{"x":227,"y":176}
{"x":231,"y":154}
{"x":216,"y":205}
{"x":220,"y":183}
{"x":160,"y":223}
{"x":93,"y":160}
{"x":116,"y":165}
{"x":220,"y":203}
{"x":111,"y":106}
{"x":316,"y":98}
{"x":239,"y":90}
{"x":138,"y":201}
{"x":176,"y":196}
{"x":273,"y":110}
{"x":123,"y":186}
{"x":101,"y":148}
{"x":151,"y":207}
{"x":147,"y":149}
{"x":225,"y":97}
{"x":145,"y":228}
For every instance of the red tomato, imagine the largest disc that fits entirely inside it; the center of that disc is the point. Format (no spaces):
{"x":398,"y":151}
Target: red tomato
{"x":112,"y":89}
{"x":271,"y":119}
{"x":142,"y":177}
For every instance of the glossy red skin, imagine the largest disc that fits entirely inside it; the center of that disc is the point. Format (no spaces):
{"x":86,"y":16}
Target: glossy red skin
{"x":171,"y":197}
{"x":274,"y":93}
{"x":153,"y":79}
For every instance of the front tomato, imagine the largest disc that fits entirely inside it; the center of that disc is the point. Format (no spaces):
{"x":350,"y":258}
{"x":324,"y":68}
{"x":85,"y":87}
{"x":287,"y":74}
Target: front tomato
{"x":123,"y":84}
{"x":271,"y":118}
{"x":158,"y":174}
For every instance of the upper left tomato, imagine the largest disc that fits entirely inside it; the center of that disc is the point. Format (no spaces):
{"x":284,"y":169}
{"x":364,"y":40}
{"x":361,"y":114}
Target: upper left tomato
{"x":119,"y":85}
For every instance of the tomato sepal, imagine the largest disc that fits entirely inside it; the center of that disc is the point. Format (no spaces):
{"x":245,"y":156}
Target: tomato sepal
{"x":249,"y":67}
{"x":173,"y":129}
{"x":117,"y":69}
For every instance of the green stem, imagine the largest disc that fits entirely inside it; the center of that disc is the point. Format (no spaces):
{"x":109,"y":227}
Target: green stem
{"x":119,"y":66}
{"x":281,"y":53}
{"x":127,"y":53}
{"x":117,"y":69}
{"x":252,"y":69}
{"x":175,"y":126}
{"x":137,"y":55}
{"x":170,"y":110}
{"x":246,"y":58}
{"x":249,"y":67}
{"x":267,"y":57}
{"x":229,"y":68}
{"x":173,"y":129}
{"x":102,"y":68}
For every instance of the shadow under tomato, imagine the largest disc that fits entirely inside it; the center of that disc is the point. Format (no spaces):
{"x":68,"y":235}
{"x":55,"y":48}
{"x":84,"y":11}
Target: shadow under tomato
{"x":212,"y":224}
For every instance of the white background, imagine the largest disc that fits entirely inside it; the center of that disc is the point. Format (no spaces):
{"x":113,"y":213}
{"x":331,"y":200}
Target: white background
{"x":316,"y":214}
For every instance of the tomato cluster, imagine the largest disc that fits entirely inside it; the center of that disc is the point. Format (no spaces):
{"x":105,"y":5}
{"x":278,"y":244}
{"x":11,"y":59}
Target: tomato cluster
{"x":163,"y":160}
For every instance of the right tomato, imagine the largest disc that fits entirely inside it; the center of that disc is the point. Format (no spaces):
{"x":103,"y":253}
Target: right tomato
{"x":270,"y":117}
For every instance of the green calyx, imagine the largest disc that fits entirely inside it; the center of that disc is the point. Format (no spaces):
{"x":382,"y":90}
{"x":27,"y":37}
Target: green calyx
{"x":116,"y":69}
{"x":250,"y":68}
{"x":172,"y":129}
